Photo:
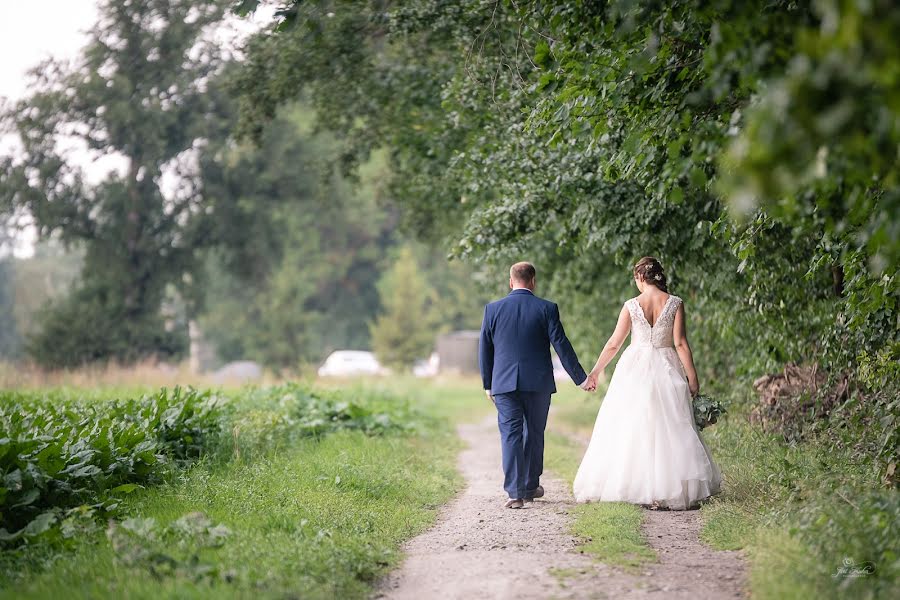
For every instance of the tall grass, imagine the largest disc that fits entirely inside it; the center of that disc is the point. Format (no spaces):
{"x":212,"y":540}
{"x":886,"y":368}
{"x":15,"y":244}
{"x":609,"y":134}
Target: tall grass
{"x":814,"y":520}
{"x":140,"y":377}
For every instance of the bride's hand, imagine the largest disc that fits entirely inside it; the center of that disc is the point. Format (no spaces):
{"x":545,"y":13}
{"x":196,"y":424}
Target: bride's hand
{"x":694,"y":386}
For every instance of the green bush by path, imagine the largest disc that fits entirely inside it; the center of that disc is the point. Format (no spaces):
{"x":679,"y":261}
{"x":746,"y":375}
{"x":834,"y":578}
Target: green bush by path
{"x":56,"y":455}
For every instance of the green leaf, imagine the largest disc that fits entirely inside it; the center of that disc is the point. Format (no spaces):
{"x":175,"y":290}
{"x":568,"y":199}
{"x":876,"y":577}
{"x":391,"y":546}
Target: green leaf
{"x":86,"y":471}
{"x":698,"y":178}
{"x":542,"y":53}
{"x":28,"y":498}
{"x":40,"y":524}
{"x":245,"y":7}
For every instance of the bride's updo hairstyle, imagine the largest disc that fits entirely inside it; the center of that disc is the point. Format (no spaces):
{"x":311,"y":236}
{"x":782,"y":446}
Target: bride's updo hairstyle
{"x":650,"y":271}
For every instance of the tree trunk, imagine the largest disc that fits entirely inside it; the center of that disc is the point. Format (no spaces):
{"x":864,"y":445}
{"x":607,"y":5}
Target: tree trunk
{"x":837,"y":277}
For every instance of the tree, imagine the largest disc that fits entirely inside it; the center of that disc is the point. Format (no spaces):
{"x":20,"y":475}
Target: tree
{"x":10,"y":340}
{"x":302,"y":248}
{"x":45,"y":277}
{"x":751,"y":145}
{"x":406,"y":329}
{"x":10,"y":337}
{"x":589,"y":134}
{"x":144,"y":90}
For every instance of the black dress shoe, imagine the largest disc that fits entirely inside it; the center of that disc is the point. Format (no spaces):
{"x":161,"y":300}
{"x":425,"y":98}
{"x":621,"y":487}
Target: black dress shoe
{"x":537,"y":492}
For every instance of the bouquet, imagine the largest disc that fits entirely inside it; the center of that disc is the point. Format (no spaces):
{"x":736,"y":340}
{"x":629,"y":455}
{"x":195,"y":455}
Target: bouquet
{"x":707,"y":411}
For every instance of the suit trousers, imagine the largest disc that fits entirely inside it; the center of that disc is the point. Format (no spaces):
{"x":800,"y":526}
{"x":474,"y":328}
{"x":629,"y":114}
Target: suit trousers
{"x":522,"y":418}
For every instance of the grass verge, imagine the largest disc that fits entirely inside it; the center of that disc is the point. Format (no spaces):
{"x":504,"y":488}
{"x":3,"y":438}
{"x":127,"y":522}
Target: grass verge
{"x":812,"y":519}
{"x":609,"y":531}
{"x":315,"y":518}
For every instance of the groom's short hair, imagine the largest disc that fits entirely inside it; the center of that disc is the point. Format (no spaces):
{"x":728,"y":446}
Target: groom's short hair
{"x":523,"y":272}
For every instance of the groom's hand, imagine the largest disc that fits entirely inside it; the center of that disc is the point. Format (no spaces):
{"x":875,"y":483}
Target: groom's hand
{"x":589,"y":384}
{"x":489,"y":397}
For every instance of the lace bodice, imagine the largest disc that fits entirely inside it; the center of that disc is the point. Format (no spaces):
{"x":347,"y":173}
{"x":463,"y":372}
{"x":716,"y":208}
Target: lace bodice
{"x":659,"y":335}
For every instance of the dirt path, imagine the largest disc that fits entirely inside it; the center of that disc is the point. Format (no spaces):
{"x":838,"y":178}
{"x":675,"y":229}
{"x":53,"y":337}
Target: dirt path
{"x":478,"y":549}
{"x":686,"y":564}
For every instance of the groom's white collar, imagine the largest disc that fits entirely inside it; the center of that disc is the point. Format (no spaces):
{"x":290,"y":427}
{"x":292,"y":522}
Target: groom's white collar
{"x":521,"y":289}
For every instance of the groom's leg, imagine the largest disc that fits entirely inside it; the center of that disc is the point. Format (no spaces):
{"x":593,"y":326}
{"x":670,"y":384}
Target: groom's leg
{"x":536,"y":406}
{"x":510,"y":418}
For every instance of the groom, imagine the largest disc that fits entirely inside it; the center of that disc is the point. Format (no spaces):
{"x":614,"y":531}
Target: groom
{"x":514,"y":356}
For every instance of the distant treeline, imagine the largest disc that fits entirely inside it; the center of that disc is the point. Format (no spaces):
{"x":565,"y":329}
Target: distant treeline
{"x":269,"y":246}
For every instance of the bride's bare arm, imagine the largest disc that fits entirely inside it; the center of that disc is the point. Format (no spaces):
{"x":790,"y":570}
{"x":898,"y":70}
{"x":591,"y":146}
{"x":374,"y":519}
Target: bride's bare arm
{"x":684,"y":350}
{"x":614,"y":342}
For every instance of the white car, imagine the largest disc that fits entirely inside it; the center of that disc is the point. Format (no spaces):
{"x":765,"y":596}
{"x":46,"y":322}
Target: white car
{"x":427,"y":368}
{"x":345,"y":363}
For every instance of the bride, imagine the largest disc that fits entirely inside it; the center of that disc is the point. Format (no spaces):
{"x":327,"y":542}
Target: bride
{"x":645,"y":448}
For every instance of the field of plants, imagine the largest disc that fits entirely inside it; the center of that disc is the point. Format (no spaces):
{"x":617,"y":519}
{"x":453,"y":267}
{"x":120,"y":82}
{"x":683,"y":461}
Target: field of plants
{"x":275,"y":490}
{"x":63,"y":458}
{"x":270,"y":490}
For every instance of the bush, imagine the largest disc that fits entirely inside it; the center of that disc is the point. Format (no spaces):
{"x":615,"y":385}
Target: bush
{"x":59,"y":455}
{"x":292,"y":411}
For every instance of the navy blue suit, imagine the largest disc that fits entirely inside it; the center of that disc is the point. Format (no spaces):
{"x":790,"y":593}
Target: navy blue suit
{"x":514,"y":356}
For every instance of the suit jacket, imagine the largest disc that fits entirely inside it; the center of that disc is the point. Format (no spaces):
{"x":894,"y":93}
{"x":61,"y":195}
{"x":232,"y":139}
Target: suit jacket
{"x":514,"y":348}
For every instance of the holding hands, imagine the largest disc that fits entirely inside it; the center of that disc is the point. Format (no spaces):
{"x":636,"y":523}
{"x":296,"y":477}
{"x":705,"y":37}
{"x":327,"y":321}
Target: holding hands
{"x":589,"y":384}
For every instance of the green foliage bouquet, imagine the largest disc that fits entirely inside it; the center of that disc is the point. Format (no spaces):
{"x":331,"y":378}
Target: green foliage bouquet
{"x":707,"y":411}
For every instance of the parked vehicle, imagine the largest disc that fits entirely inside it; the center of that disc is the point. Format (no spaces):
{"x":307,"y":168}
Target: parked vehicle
{"x":241,"y":371}
{"x":347,"y":363}
{"x":427,"y":368}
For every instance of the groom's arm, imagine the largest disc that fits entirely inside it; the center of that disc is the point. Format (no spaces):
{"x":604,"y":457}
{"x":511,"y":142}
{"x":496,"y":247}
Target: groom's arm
{"x":563,"y":347}
{"x":486,"y":351}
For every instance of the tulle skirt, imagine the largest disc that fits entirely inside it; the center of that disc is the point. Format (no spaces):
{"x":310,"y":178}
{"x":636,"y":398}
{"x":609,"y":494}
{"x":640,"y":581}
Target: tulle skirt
{"x":646,"y":448}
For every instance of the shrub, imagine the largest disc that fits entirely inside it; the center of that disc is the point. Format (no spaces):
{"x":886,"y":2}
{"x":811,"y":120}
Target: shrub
{"x":55,"y":456}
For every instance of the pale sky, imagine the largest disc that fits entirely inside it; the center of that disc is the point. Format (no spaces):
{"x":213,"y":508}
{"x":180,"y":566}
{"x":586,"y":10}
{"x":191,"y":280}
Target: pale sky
{"x":33,"y":30}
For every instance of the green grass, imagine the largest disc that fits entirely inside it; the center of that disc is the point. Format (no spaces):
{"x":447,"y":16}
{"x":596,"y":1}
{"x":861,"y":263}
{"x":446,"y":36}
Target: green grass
{"x":449,"y":399}
{"x":797,"y":510}
{"x":611,"y":532}
{"x":314,"y":518}
{"x":800,"y":510}
{"x":608,"y":531}
{"x":575,"y":411}
{"x":325,"y":517}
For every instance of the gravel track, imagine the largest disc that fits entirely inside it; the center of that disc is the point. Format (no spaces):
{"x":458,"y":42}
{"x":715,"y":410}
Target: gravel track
{"x":479,"y":549}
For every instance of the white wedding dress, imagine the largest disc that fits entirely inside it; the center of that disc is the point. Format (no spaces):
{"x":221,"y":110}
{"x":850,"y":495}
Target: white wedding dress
{"x":646,"y":448}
